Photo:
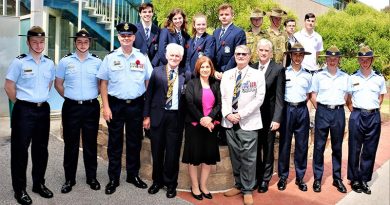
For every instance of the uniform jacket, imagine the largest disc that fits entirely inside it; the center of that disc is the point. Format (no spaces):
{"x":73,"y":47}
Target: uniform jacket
{"x":149,"y":47}
{"x":205,"y":46}
{"x":250,"y":99}
{"x":226,"y":46}
{"x":194,"y":100}
{"x":155,"y":97}
{"x":166,"y":38}
{"x":275,"y":80}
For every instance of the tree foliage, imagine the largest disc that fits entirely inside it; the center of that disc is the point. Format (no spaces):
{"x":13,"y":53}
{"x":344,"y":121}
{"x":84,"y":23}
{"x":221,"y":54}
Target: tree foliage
{"x":358,"y":24}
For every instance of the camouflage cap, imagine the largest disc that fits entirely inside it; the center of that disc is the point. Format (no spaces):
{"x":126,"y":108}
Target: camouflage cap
{"x":297,"y":48}
{"x":365,"y":52}
{"x":332,"y":51}
{"x":35,"y":31}
{"x":277,"y":12}
{"x":257,"y":13}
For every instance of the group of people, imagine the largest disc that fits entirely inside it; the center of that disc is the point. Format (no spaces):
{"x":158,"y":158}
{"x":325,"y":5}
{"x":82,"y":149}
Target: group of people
{"x":244,"y":86}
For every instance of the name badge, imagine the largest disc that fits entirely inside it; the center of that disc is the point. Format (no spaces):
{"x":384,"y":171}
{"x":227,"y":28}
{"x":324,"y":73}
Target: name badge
{"x":227,"y":49}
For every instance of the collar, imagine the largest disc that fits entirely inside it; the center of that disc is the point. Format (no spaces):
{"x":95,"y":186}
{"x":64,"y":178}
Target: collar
{"x":244,"y":70}
{"x":305,"y":33}
{"x":30,"y":57}
{"x":120,"y":51}
{"x":265,"y":65}
{"x":144,"y":25}
{"x":226,"y":27}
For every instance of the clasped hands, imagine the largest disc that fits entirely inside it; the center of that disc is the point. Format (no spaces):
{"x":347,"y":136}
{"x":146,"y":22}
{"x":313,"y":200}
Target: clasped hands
{"x":233,"y":118}
{"x":207,"y":123}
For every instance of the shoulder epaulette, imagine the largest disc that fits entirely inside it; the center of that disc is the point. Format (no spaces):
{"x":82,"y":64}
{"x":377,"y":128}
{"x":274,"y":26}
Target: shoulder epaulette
{"x":377,"y":72}
{"x":111,"y":52}
{"x":354,"y":72}
{"x":307,"y":70}
{"x":21,"y":56}
{"x":46,"y":57}
{"x":94,"y":55}
{"x":343,"y":71}
{"x":67,"y":55}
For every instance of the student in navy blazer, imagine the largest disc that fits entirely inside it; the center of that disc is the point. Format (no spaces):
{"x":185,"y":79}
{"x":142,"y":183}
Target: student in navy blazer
{"x":202,"y":44}
{"x":147,"y":44}
{"x":175,"y":31}
{"x":164,"y":116}
{"x":228,"y":40}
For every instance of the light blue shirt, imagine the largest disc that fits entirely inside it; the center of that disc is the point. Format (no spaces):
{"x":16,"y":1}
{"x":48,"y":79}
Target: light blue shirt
{"x":297,"y":85}
{"x":32,"y":80}
{"x":126,"y":76}
{"x":366,"y":91}
{"x":80,"y":81}
{"x":330,"y":89}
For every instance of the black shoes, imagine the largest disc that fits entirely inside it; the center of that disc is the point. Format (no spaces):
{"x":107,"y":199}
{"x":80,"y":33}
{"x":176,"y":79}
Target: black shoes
{"x":339,"y":185}
{"x":263,"y":187}
{"x":93,"y":184}
{"x":355,"y":185}
{"x":207,"y":196}
{"x":154,"y":188}
{"x":111,"y":186}
{"x":282,"y":183}
{"x":197,"y":197}
{"x":23,"y":198}
{"x":137,"y":182}
{"x":365,"y":188}
{"x":171,"y":192}
{"x":42,"y":190}
{"x":67,"y":187}
{"x":317,"y":185}
{"x":301,"y":185}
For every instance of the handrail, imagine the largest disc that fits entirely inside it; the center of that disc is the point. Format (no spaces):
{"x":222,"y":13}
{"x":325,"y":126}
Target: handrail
{"x":125,"y":10}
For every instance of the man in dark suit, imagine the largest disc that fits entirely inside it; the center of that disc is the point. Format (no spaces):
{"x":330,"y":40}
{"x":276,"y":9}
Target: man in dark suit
{"x":164,"y":115}
{"x":146,"y":38}
{"x":271,"y":112}
{"x":228,"y":37}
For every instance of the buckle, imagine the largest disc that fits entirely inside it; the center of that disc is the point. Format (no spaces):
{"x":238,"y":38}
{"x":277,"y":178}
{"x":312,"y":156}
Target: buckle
{"x":128,"y":101}
{"x":80,"y":102}
{"x":332,"y":107}
{"x":39,"y":104}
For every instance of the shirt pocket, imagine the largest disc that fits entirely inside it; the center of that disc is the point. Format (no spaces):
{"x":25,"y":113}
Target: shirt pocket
{"x":92,"y":71}
{"x":374,"y":88}
{"x":116,"y":73}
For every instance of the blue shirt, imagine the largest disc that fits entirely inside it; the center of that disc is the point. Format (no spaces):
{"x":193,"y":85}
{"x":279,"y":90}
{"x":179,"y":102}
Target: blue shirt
{"x":80,"y":81}
{"x":297,"y":85}
{"x":366,"y":91}
{"x":330,"y":89}
{"x":126,"y":76}
{"x":32,"y":80}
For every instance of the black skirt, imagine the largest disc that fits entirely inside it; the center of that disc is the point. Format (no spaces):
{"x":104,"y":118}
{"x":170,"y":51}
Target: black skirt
{"x":200,"y":146}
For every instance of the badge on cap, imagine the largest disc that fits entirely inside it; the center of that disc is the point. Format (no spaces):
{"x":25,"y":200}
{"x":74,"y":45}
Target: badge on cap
{"x":126,"y":26}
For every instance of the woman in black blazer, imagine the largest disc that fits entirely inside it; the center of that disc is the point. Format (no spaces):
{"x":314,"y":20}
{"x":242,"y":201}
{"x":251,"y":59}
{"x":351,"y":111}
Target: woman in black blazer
{"x":203,"y":115}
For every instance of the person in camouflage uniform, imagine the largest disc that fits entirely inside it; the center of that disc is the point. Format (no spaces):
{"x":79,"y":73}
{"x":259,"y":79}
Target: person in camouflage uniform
{"x":276,"y":35}
{"x":255,"y":33}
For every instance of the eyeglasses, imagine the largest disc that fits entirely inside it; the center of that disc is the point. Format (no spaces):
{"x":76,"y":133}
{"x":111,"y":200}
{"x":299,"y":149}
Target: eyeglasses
{"x":241,"y":54}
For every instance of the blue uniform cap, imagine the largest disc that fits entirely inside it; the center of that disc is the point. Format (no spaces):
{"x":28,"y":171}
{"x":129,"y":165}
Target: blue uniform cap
{"x":126,"y":28}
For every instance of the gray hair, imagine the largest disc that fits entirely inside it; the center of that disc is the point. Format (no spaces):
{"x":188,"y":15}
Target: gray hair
{"x":174,"y":48}
{"x":265,"y":42}
{"x":245,"y":48}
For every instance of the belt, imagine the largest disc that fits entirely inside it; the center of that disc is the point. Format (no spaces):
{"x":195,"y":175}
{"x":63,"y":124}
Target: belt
{"x":332,"y":107}
{"x":365,"y":110}
{"x":128,"y":101}
{"x":80,"y":102}
{"x":171,"y":111}
{"x":33,"y":104}
{"x":298,"y":104}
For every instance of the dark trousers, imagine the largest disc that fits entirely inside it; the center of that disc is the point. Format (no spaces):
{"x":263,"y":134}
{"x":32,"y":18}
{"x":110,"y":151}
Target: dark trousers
{"x":30,"y":123}
{"x":265,"y":153}
{"x":84,"y":117}
{"x":166,"y":142}
{"x":333,"y":121}
{"x":128,"y":115}
{"x":296,"y":122}
{"x":364,"y":132}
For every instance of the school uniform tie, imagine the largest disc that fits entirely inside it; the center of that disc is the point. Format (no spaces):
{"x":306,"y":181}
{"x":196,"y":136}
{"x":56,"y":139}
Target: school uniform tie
{"x":196,"y":40}
{"x":147,"y":33}
{"x":237,"y":89}
{"x":222,"y":33}
{"x":180,"y":37}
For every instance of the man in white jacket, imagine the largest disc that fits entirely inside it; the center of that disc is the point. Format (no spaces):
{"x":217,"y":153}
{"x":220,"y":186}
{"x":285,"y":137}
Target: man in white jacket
{"x":242,"y":91}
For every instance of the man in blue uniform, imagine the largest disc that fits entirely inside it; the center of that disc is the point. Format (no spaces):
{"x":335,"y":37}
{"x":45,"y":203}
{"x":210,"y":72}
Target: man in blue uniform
{"x":365,"y":95}
{"x":28,"y":82}
{"x":124,"y":75}
{"x":328,"y":95}
{"x":295,"y":119}
{"x":76,"y":81}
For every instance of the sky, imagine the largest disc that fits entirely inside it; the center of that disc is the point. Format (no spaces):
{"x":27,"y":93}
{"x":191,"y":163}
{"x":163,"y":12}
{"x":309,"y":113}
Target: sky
{"x":377,"y":4}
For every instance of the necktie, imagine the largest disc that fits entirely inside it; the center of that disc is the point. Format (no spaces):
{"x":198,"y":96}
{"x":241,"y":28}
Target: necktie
{"x":147,"y":33}
{"x":180,"y":37}
{"x":222,"y":32}
{"x":196,"y":40}
{"x":237,"y":89}
{"x":171,"y":80}
{"x":262,"y":67}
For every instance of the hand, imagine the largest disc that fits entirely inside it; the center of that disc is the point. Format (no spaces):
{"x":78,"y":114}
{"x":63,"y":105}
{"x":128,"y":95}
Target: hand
{"x":210,"y":126}
{"x":204,"y":121}
{"x":234,"y":118}
{"x":274,"y":126}
{"x":146,"y":123}
{"x":217,"y":75}
{"x":107,"y":115}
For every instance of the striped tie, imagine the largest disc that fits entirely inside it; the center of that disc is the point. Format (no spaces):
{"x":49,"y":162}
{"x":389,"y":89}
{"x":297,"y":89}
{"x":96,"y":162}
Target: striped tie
{"x":168,"y":103}
{"x":147,"y":34}
{"x":237,"y":89}
{"x":180,"y":37}
{"x":222,"y":32}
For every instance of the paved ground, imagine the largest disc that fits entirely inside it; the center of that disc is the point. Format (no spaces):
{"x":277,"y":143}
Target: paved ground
{"x":128,"y":194}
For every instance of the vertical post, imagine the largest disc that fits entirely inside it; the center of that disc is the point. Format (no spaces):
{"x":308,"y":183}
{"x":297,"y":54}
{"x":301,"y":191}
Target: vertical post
{"x":57,"y":45}
{"x":37,"y":13}
{"x":112,"y":24}
{"x":4,"y":7}
{"x":80,"y":15}
{"x":17,"y":8}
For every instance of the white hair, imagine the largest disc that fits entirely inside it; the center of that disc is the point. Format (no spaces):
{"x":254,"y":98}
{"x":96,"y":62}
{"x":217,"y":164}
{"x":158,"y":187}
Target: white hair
{"x":174,"y":48}
{"x":265,"y":42}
